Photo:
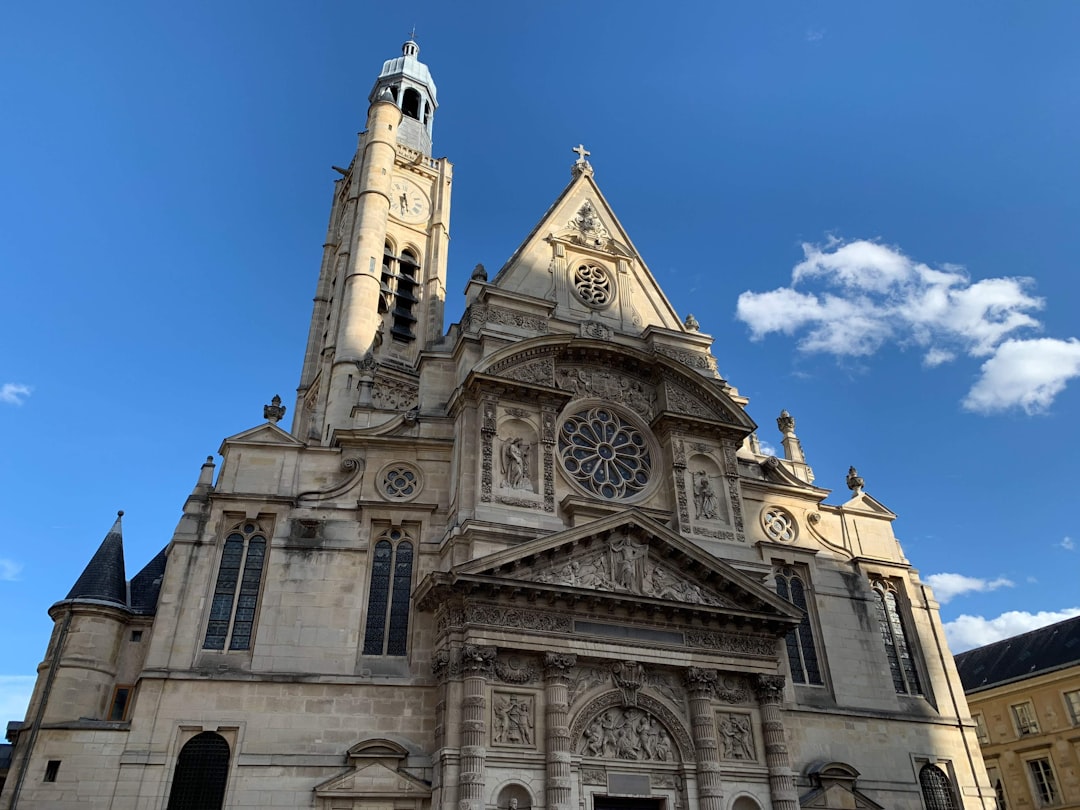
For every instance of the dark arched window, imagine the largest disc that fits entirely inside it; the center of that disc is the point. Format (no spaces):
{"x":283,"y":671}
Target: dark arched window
{"x":202,"y":770}
{"x":399,"y":288}
{"x":802,"y":654}
{"x":905,"y":676}
{"x":936,"y":789}
{"x":410,"y":103}
{"x":236,"y":594}
{"x":391,"y":590}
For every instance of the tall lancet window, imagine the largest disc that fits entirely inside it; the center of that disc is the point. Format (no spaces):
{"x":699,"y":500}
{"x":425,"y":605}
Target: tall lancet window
{"x":802,"y":655}
{"x":236,"y":594}
{"x":400,"y":283}
{"x":387,"y":629}
{"x":905,"y":675}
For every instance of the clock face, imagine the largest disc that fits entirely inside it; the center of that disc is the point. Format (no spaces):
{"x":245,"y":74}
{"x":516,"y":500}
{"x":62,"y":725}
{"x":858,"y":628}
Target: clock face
{"x":408,"y":201}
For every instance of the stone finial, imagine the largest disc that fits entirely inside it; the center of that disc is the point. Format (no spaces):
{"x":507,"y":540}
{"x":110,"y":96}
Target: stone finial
{"x":479,"y":273}
{"x":275,"y":410}
{"x":581,"y":165}
{"x":785,"y":422}
{"x":855,"y":482}
{"x":691,"y":323}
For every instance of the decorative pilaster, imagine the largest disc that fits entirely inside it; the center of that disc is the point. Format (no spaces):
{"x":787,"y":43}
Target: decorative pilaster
{"x":557,"y":669}
{"x":476,"y":664}
{"x":770,"y":694}
{"x":701,"y":686}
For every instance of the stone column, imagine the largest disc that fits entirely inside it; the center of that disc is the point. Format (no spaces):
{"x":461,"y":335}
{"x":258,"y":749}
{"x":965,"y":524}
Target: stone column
{"x":700,"y":687}
{"x":476,"y":665}
{"x":557,"y":740}
{"x":770,"y":694}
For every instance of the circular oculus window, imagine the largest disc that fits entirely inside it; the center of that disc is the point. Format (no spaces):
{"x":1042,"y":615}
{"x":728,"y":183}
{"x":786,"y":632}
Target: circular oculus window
{"x":400,"y":482}
{"x":604,"y":453}
{"x":593,"y":285}
{"x":779,"y":524}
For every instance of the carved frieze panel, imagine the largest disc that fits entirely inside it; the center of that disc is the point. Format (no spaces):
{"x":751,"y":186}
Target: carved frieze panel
{"x":679,"y":400}
{"x":744,"y":644}
{"x":697,"y":360}
{"x":736,"y":736}
{"x":501,"y":616}
{"x":625,"y":566}
{"x":600,"y":383}
{"x":394,"y":394}
{"x":513,"y":720}
{"x":593,"y":776}
{"x":477,"y":315}
{"x":516,"y":669}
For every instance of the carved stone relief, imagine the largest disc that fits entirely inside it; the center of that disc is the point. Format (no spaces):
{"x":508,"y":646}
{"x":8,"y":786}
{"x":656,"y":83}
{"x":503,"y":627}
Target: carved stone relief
{"x":479,"y":314}
{"x":706,"y":504}
{"x":592,"y":381}
{"x":515,"y":669}
{"x":595,"y":330}
{"x":593,"y":776}
{"x":513,"y":719}
{"x":394,"y":395}
{"x":487,"y":435}
{"x":736,"y":736}
{"x":698,"y":360}
{"x":538,"y":372}
{"x":732,"y":642}
{"x":626,"y":733}
{"x":679,"y":400}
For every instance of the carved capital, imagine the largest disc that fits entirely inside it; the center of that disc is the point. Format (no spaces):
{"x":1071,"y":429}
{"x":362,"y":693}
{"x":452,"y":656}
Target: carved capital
{"x":478,"y":660}
{"x":558,"y":665}
{"x":440,"y":665}
{"x":769,"y":688}
{"x":700,"y":682}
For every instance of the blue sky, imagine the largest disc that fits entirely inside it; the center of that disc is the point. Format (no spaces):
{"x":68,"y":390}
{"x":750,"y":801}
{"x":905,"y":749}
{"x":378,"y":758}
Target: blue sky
{"x":871,"y":207}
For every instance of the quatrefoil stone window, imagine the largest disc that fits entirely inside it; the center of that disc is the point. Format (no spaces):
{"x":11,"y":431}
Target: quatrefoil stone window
{"x":779,"y":524}
{"x":401,"y":482}
{"x":605,"y":454}
{"x":593,"y":285}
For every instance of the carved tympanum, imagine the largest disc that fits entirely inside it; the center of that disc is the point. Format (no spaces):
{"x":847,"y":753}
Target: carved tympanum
{"x":626,"y":733}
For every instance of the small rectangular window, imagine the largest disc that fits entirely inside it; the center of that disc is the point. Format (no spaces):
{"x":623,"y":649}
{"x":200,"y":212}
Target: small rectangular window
{"x":1042,"y":778}
{"x":1024,"y":716}
{"x":980,"y":729}
{"x":136,"y":635}
{"x":52,"y":769}
{"x":1072,"y":701}
{"x":118,"y":710}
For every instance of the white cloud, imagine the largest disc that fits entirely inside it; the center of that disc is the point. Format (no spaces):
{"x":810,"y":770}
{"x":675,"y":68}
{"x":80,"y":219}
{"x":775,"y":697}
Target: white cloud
{"x":14,"y":393}
{"x":1026,"y":374}
{"x":815,"y":34}
{"x":947,"y":586}
{"x":9,"y":570}
{"x":975,"y":631}
{"x":850,"y":298}
{"x":766,"y":448}
{"x":15,"y":691}
{"x":1068,"y":544}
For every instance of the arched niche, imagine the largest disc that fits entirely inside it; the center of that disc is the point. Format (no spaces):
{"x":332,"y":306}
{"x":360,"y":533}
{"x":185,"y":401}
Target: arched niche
{"x":517,"y":461}
{"x":514,"y":796}
{"x":706,"y":484}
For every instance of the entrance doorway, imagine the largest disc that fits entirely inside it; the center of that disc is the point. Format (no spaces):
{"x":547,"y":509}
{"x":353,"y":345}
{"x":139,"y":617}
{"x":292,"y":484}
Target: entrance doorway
{"x":626,"y":803}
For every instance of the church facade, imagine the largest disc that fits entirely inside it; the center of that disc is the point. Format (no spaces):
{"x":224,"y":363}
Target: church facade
{"x":535,"y":560}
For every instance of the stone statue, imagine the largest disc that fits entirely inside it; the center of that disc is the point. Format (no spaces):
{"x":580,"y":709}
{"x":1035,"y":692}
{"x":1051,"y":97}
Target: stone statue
{"x":513,"y":720}
{"x":737,"y":737}
{"x":515,"y":465}
{"x":706,"y":505}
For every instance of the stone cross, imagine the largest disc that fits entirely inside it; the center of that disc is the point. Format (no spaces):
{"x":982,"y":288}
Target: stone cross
{"x":581,"y":152}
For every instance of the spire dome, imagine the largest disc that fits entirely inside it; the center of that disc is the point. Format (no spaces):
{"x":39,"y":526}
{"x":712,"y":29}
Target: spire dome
{"x":104,"y":578}
{"x":410,"y":86}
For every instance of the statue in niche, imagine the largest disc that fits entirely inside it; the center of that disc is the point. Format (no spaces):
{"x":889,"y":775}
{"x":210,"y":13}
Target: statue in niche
{"x":513,"y":720}
{"x":515,"y":464}
{"x":737,"y":737}
{"x":706,"y":504}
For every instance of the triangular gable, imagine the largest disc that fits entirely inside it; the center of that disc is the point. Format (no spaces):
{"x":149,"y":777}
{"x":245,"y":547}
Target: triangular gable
{"x":580,"y":228}
{"x":373,"y":780}
{"x":267,"y":433}
{"x":835,"y":788}
{"x":869,"y":505}
{"x":629,"y":555}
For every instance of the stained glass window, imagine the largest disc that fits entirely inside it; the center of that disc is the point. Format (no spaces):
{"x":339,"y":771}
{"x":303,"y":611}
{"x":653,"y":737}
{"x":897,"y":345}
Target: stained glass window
{"x":802,"y":654}
{"x":233,"y":609}
{"x":604,"y":453}
{"x":202,"y":770}
{"x":905,"y":676}
{"x":391,"y":592}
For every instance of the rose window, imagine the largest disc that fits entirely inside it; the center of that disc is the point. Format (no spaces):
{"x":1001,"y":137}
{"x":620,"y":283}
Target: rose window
{"x":400,"y":482}
{"x":778,"y":524}
{"x":604,"y":453}
{"x":593,"y":285}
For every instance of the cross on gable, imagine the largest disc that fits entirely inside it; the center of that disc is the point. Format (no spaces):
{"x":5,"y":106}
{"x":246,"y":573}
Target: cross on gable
{"x":581,"y":153}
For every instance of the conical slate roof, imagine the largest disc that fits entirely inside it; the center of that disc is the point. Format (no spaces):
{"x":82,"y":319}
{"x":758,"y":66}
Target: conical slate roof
{"x":103,"y":578}
{"x":146,"y":585}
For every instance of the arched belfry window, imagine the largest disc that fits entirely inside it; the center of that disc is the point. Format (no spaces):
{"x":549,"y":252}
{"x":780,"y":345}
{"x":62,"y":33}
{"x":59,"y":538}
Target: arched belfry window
{"x":387,"y":629}
{"x":905,"y":675}
{"x":400,"y":283}
{"x":202,"y":770}
{"x":802,"y":655}
{"x":236,"y":594}
{"x":410,"y":103}
{"x":937,"y":789}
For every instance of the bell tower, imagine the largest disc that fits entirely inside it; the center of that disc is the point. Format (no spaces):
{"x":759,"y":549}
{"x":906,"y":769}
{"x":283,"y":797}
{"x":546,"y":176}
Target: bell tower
{"x":382,"y":284}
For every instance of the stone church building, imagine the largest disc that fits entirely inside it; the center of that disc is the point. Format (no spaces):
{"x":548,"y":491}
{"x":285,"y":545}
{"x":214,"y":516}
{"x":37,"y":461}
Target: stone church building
{"x":532,"y":561}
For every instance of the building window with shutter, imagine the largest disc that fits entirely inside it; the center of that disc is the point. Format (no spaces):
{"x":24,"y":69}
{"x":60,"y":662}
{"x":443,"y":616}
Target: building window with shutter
{"x":236,"y":593}
{"x":1044,"y":784}
{"x":894,"y":634}
{"x":387,"y":628}
{"x":791,"y":584}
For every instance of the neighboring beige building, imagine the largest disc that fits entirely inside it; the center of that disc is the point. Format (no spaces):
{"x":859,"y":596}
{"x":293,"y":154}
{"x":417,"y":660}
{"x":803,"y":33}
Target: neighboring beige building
{"x":533,"y":561}
{"x":1024,"y":694}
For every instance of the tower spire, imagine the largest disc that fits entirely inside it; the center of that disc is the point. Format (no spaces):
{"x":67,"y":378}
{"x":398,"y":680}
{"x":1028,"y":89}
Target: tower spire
{"x":104,"y":577}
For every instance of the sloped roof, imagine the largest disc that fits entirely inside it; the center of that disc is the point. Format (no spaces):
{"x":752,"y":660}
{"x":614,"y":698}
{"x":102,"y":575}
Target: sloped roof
{"x":1037,"y":651}
{"x":146,"y":585}
{"x":104,"y":578}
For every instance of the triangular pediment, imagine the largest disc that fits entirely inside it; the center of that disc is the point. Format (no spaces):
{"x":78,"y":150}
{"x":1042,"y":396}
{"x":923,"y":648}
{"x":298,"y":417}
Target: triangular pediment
{"x":862,"y":502}
{"x":580,"y":256}
{"x":373,"y":780}
{"x":628,"y":556}
{"x":267,"y":433}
